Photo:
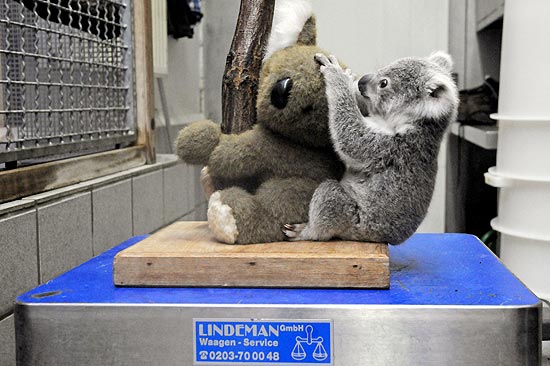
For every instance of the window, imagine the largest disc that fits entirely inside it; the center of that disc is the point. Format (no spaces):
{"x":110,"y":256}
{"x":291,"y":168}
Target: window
{"x":75,"y":90}
{"x":65,"y":79}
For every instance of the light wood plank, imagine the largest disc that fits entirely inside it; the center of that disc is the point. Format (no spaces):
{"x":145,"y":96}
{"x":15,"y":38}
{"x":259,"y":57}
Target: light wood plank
{"x":186,"y":254}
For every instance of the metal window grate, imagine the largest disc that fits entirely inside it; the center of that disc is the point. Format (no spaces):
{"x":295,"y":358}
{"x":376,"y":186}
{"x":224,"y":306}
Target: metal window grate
{"x":66,"y":77}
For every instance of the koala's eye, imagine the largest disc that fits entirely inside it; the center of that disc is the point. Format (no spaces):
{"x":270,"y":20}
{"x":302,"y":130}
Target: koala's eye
{"x":383,"y":83}
{"x":280,"y":93}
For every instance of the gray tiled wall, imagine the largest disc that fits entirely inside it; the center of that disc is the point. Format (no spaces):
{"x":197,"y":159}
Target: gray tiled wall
{"x":148,"y":204}
{"x":65,"y":227}
{"x":7,"y":342}
{"x":112,"y":215}
{"x":64,"y":234}
{"x":18,"y":267}
{"x":176,"y":195}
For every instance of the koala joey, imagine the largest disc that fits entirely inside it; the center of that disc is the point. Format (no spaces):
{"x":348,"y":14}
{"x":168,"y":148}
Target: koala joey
{"x":387,"y":129}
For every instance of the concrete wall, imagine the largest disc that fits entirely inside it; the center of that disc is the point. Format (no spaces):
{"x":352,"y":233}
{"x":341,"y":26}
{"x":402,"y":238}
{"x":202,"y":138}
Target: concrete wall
{"x":195,"y":68}
{"x":367,"y":34}
{"x":183,"y":90}
{"x":476,"y":52}
{"x":218,"y":29}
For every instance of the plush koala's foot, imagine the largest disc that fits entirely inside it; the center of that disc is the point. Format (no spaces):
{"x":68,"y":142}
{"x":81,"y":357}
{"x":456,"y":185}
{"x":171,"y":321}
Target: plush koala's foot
{"x":221,"y":220}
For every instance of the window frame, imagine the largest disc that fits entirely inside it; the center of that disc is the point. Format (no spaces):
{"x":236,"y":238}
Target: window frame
{"x":20,"y":182}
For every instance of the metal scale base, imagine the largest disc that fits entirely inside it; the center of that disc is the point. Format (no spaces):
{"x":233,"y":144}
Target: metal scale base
{"x":451,"y":302}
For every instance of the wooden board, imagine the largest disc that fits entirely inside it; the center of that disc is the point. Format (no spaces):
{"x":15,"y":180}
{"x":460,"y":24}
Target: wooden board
{"x":38,"y":178}
{"x":145,"y":95}
{"x":186,"y":254}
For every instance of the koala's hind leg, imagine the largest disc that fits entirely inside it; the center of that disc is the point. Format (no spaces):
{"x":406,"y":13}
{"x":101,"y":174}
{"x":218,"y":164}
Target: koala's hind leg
{"x":332,"y":213}
{"x":237,"y":216}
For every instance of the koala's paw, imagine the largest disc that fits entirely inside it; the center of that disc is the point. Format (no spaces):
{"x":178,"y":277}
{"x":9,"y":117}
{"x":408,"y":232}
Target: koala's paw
{"x":351,"y":76}
{"x":327,"y":61}
{"x":293,"y":232}
{"x":333,"y":72}
{"x":329,"y":64}
{"x":221,"y":220}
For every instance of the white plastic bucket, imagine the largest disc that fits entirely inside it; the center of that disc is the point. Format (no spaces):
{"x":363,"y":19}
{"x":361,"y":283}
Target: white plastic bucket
{"x":524,"y":148}
{"x":523,"y":155}
{"x":525,"y":59}
{"x":529,"y":260}
{"x":524,"y":97}
{"x":523,"y":206}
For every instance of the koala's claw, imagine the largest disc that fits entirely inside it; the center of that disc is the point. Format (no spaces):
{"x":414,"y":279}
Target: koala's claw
{"x":330,"y":66}
{"x":292,"y":231}
{"x":334,"y":60}
{"x":321,"y":59}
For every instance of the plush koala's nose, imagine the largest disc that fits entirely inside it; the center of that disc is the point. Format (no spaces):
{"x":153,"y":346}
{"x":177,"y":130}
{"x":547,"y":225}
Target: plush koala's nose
{"x":362,"y":83}
{"x":280,"y":93}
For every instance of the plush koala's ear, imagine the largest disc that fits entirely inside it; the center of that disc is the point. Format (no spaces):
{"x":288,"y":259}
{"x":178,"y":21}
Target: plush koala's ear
{"x":308,"y":35}
{"x":292,"y":21}
{"x":442,"y":59}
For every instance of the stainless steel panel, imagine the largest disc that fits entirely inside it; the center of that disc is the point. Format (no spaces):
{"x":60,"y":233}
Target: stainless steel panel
{"x":363,"y":335}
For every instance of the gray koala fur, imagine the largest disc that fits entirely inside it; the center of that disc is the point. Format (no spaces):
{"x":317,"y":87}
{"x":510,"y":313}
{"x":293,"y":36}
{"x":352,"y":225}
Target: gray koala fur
{"x":390,"y":155}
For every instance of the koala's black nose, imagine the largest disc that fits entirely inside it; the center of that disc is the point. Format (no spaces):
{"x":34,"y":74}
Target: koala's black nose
{"x":362,"y":83}
{"x":280,"y":93}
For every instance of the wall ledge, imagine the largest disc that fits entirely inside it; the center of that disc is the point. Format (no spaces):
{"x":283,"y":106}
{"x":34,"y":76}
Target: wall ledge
{"x":163,"y":161}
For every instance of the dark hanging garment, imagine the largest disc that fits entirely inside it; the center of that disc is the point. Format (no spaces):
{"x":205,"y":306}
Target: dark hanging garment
{"x":181,"y":18}
{"x":100,"y":17}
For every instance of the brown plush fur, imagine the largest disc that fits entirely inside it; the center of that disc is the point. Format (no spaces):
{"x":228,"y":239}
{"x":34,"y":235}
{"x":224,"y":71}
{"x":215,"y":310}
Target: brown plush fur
{"x":267,"y":175}
{"x":303,"y":119}
{"x":308,"y":35}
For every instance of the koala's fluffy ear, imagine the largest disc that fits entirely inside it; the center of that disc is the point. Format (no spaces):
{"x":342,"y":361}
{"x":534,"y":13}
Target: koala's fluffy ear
{"x":292,"y":23}
{"x":442,"y":59}
{"x":442,"y":92}
{"x":437,"y":85}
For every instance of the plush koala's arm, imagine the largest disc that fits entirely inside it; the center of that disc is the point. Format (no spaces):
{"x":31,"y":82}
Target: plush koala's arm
{"x":236,"y":156}
{"x":355,"y":138}
{"x":196,"y":142}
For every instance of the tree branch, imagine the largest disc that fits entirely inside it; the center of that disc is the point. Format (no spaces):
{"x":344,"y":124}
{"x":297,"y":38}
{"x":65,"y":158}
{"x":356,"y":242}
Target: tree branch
{"x":242,"y":67}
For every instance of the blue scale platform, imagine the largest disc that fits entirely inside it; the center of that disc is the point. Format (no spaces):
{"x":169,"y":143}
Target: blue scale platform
{"x":450,"y":302}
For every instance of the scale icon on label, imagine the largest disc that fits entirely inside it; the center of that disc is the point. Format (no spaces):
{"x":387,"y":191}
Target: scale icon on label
{"x":299,"y":353}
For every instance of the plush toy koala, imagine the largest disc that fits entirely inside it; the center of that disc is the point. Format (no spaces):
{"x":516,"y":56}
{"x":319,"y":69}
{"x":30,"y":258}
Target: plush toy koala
{"x":266,"y":176}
